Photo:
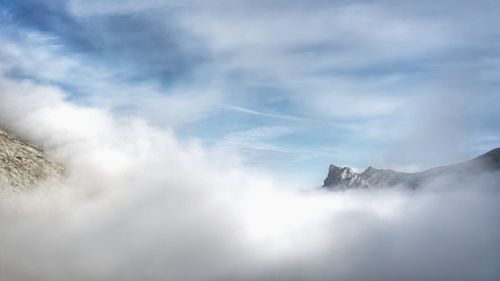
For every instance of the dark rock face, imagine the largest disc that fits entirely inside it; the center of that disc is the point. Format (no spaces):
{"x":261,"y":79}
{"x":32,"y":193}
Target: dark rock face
{"x":23,"y":165}
{"x":345,"y":178}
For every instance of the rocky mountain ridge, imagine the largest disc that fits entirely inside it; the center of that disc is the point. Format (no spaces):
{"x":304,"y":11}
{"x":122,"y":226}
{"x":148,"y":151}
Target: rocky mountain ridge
{"x":340,"y":178}
{"x":23,"y":165}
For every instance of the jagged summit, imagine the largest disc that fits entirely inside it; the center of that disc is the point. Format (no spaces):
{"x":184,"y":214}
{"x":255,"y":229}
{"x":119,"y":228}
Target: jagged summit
{"x":23,"y":165}
{"x":346,"y":178}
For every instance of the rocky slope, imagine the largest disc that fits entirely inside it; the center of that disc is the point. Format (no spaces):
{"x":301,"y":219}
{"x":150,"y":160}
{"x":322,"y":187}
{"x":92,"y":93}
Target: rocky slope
{"x":23,"y":165}
{"x":346,"y":178}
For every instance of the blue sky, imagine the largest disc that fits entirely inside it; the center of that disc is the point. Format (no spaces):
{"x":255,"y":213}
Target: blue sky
{"x":291,"y":86}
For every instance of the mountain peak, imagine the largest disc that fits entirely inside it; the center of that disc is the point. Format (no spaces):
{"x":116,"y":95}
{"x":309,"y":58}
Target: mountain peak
{"x":22,"y":164}
{"x":493,"y":155}
{"x":346,"y":178}
{"x":343,"y":177}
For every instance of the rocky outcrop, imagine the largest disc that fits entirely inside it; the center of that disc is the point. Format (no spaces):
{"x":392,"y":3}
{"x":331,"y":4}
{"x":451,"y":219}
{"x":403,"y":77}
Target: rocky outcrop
{"x":23,"y":165}
{"x":340,"y":178}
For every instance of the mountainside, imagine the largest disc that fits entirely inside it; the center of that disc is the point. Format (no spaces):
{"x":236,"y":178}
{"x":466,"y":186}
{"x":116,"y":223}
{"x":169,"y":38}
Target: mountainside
{"x":346,"y":178}
{"x":22,"y":165}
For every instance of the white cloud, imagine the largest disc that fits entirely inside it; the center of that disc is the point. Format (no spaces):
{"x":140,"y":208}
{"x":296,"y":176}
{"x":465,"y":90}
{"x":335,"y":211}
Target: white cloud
{"x":36,"y":54}
{"x":91,"y":8}
{"x":40,"y":57}
{"x":139,"y":204}
{"x":341,"y":36}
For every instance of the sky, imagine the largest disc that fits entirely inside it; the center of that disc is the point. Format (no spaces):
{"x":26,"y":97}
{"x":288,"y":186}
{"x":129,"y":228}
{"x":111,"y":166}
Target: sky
{"x":194,"y":136}
{"x":289,"y":87}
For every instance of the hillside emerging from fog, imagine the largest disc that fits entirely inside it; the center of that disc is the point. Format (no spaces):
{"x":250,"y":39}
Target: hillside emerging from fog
{"x":23,"y":165}
{"x":340,"y":178}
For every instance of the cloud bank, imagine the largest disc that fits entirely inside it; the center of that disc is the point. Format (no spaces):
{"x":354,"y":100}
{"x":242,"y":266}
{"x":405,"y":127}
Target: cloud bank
{"x":139,"y":204}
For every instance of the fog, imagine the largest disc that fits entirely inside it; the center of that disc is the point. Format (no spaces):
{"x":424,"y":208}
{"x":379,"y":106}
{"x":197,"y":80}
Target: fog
{"x":138,"y":203}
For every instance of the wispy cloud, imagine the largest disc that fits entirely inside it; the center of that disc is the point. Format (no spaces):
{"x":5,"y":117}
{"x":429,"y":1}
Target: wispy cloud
{"x":266,"y":114}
